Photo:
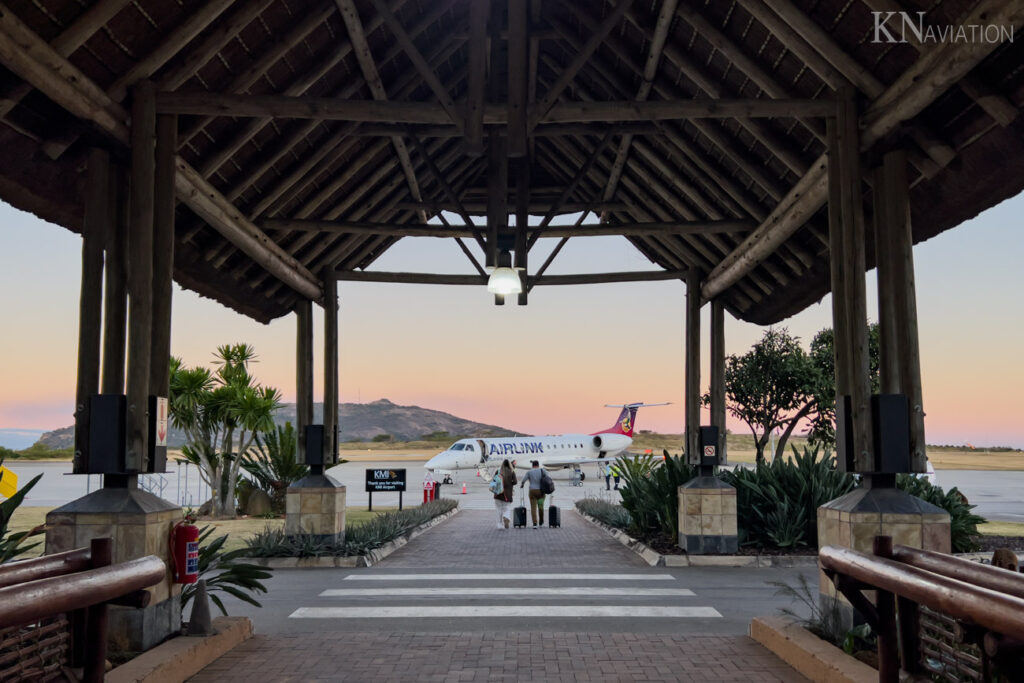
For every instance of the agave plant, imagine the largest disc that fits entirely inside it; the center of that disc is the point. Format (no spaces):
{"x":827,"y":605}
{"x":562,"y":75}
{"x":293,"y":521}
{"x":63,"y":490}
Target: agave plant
{"x":12,"y":544}
{"x":777,"y":503}
{"x":651,"y":490}
{"x":223,"y":574}
{"x":273,"y":464}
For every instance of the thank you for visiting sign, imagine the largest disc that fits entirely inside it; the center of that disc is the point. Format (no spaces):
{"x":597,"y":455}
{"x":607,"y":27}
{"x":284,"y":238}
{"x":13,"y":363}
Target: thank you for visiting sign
{"x":385,"y":480}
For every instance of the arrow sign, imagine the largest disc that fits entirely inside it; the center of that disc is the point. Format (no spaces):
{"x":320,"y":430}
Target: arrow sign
{"x":161,"y":421}
{"x":8,"y":482}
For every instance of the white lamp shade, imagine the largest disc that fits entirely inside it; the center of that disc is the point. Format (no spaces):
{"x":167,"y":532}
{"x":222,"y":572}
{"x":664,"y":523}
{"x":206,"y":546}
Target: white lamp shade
{"x":504,"y":280}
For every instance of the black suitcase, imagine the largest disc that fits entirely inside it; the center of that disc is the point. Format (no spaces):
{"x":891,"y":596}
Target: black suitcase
{"x":554,"y":516}
{"x":519,"y":516}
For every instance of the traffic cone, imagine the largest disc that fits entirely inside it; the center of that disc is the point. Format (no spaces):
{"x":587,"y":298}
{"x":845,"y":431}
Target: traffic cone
{"x":463,"y":488}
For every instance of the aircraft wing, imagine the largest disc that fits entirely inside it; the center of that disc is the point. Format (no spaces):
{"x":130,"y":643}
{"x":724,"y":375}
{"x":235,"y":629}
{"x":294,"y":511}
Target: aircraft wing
{"x":569,"y":462}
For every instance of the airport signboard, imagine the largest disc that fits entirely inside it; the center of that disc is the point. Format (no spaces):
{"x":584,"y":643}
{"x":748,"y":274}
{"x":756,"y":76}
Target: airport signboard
{"x":385,"y":480}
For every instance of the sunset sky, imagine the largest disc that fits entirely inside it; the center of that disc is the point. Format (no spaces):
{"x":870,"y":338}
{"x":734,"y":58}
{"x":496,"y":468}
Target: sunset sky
{"x":545,"y":368}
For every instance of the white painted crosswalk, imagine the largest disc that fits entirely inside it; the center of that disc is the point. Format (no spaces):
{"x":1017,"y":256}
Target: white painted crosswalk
{"x":602,"y":595}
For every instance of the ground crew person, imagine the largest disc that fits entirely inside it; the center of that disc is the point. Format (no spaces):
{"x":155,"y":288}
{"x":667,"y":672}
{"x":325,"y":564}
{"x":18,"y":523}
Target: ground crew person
{"x":615,"y":474}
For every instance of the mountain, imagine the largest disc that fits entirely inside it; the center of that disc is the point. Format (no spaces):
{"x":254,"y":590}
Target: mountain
{"x":359,"y":422}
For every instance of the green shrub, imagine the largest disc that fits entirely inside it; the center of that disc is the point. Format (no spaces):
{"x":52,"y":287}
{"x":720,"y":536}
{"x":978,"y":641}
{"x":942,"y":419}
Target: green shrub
{"x":777,"y":503}
{"x":604,"y":511}
{"x":223,"y":574}
{"x":650,"y":494}
{"x":963,"y":524}
{"x":273,"y":464}
{"x":360,"y":539}
{"x":12,"y":545}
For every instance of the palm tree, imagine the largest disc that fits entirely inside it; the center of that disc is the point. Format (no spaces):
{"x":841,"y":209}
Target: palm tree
{"x":221,"y":413}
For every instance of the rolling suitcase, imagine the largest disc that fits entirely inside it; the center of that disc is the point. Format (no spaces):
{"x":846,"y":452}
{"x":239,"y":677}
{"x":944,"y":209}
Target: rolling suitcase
{"x":519,"y":515}
{"x":554,"y":516}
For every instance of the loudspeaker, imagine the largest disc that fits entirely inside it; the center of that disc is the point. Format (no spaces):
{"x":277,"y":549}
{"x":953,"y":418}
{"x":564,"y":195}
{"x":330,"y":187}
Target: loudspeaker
{"x":106,"y":434}
{"x":890,"y":432}
{"x":315,"y":445}
{"x":709,"y":438}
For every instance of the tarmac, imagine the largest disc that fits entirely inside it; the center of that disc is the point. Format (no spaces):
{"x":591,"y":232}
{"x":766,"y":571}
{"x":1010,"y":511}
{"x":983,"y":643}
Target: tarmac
{"x":466,"y":601}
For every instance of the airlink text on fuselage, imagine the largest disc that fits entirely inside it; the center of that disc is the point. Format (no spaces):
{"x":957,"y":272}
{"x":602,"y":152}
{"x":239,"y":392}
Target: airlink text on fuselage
{"x":517,"y":448}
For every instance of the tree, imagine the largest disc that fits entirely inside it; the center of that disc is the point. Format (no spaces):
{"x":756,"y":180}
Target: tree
{"x":768,"y":386}
{"x":221,"y":412}
{"x":823,"y":391}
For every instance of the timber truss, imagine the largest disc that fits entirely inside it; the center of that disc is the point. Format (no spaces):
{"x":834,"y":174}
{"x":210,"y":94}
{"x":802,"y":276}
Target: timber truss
{"x":301,"y":139}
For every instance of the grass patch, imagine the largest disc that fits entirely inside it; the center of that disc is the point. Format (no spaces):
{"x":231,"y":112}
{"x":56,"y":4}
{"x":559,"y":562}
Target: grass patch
{"x":1001,"y":529}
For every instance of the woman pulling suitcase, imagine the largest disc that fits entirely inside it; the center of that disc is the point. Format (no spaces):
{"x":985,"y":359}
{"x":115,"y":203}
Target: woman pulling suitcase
{"x":503,"y":499}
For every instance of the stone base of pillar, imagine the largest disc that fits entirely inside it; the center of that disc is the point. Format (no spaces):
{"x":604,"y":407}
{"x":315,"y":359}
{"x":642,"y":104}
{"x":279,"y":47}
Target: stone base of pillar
{"x":139,"y":524}
{"x":707,"y":517}
{"x":315,"y":505}
{"x":852,"y":521}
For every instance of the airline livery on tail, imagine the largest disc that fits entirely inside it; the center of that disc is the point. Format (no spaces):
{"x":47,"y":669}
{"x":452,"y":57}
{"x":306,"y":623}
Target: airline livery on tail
{"x":552,"y":452}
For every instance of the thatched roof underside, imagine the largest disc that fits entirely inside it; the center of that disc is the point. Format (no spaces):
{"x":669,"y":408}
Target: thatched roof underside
{"x":966,"y":148}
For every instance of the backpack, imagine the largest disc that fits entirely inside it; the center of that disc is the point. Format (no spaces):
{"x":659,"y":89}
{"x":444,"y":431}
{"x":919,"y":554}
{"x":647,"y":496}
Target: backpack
{"x":547,"y":486}
{"x":496,"y":486}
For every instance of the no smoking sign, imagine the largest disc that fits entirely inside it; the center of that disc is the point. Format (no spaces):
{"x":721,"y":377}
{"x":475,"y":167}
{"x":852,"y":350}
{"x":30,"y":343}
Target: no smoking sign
{"x":709,"y":451}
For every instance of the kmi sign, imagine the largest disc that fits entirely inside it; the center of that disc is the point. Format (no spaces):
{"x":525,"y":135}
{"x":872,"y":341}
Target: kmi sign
{"x":385,"y":480}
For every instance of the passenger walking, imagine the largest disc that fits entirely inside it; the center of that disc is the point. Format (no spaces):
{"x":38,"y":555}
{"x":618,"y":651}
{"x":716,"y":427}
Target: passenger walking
{"x":533,"y":478}
{"x":503,"y":499}
{"x":615,"y":475}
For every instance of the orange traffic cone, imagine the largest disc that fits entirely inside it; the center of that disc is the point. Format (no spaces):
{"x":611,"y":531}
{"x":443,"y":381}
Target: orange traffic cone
{"x":463,"y":488}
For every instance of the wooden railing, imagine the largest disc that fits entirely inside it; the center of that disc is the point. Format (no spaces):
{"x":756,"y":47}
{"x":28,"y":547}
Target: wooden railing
{"x":933,"y":613}
{"x":53,"y":609}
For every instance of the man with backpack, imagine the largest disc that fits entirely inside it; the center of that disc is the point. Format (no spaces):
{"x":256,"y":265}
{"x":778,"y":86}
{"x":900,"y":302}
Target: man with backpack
{"x":540,"y":485}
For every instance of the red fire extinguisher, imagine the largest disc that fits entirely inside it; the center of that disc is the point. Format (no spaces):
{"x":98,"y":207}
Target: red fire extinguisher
{"x":184,"y":547}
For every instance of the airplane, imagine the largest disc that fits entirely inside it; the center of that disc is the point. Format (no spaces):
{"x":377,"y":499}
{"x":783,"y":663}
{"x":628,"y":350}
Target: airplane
{"x":559,"y":451}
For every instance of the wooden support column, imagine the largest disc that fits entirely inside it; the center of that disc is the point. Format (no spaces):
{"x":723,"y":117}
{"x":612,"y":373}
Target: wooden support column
{"x":692,"y":398}
{"x":518,"y":56}
{"x":897,"y":297}
{"x":96,"y":222}
{"x":140,"y":276}
{"x":718,"y":374}
{"x":479,"y":13}
{"x":330,"y":285}
{"x":303,"y":373}
{"x":163,"y":253}
{"x":115,"y":293}
{"x":522,"y":223}
{"x":497,"y":194}
{"x":849,"y":306}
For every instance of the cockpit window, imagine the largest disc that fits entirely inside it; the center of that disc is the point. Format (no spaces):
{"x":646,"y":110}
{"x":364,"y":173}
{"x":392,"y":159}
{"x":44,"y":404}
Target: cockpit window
{"x":469,"y":447}
{"x":457,"y":447}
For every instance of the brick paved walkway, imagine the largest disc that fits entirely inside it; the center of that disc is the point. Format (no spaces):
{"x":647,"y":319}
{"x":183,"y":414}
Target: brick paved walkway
{"x":535,"y":656}
{"x":469,"y":540}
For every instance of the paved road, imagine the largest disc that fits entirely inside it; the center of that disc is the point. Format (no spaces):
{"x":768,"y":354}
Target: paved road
{"x":467,"y":575}
{"x":468,"y":602}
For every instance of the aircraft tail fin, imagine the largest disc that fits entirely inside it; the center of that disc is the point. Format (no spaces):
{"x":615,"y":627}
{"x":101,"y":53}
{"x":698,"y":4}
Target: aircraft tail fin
{"x":626,"y":421}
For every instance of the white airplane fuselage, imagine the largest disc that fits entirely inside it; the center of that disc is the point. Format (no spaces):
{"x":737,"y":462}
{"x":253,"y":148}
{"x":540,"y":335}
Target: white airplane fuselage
{"x":552,"y":452}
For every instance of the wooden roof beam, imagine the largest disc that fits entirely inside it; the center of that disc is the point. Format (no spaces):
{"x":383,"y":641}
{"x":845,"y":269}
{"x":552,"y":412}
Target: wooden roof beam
{"x":579,"y":230}
{"x":69,"y":40}
{"x":27,"y":55}
{"x":518,"y":78}
{"x":929,"y":77}
{"x":477,"y":280}
{"x":372,"y":77}
{"x":418,"y":61}
{"x":660,"y":35}
{"x":330,"y":109}
{"x":541,"y":109}
{"x":479,"y":15}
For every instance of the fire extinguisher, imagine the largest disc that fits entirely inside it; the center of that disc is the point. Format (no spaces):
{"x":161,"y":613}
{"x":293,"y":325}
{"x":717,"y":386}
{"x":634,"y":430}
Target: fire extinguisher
{"x":184,"y":547}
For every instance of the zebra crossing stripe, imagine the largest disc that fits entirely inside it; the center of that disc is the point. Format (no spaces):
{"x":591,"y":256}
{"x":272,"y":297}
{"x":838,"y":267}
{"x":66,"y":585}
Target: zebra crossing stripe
{"x":454,"y":591}
{"x":507,"y":611}
{"x":509,"y":577}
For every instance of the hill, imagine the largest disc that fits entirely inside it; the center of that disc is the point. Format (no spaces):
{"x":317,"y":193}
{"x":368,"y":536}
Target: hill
{"x":359,"y":422}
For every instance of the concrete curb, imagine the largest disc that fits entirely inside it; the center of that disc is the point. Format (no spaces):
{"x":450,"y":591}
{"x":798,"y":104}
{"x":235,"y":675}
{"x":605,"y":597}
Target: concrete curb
{"x":350,"y":561}
{"x":180,"y":658}
{"x":809,"y":654}
{"x":655,"y":559}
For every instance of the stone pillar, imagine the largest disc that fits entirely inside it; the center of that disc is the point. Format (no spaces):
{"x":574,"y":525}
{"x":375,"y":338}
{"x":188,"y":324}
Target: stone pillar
{"x":139,"y":524}
{"x":315,"y":505}
{"x":707,"y":517}
{"x":853,"y":521}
